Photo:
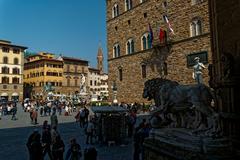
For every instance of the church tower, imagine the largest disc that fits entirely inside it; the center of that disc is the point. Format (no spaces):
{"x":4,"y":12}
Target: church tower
{"x":100,"y":60}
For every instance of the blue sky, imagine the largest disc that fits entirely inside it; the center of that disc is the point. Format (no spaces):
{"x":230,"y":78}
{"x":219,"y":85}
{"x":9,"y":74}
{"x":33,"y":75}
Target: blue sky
{"x":69,"y":27}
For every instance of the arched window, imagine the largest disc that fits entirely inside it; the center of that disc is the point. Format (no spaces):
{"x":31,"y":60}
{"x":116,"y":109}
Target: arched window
{"x":130,"y":46}
{"x":15,"y":71}
{"x":196,"y":27}
{"x":5,"y":70}
{"x":128,"y":5}
{"x":146,"y":41}
{"x":15,"y":61}
{"x":5,"y":80}
{"x":5,"y":60}
{"x":115,"y":10}
{"x":116,"y":50}
{"x":15,"y":80}
{"x":120,"y":74}
{"x":144,"y":70}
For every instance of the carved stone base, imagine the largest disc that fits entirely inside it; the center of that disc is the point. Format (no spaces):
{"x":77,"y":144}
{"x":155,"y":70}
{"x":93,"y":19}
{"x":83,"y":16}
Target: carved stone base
{"x":180,"y":144}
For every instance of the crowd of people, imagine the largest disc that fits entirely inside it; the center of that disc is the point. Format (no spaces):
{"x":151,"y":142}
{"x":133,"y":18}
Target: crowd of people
{"x":8,"y":108}
{"x":46,"y":108}
{"x":50,"y":143}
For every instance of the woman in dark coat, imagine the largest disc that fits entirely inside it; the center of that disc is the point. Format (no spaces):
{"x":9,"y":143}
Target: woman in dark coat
{"x":36,"y":148}
{"x":58,"y":149}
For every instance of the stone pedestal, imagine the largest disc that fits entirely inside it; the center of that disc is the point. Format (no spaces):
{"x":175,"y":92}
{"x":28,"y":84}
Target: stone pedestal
{"x":180,"y":144}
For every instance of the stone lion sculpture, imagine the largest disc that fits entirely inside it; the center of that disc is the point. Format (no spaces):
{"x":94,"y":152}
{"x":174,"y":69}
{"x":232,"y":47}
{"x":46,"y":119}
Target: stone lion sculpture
{"x":183,"y":103}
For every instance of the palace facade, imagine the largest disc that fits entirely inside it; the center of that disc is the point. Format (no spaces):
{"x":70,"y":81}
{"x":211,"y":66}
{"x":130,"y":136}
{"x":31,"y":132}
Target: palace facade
{"x":11,"y":70}
{"x":136,"y":52}
{"x":72,"y":71}
{"x":97,"y":79}
{"x":40,"y":70}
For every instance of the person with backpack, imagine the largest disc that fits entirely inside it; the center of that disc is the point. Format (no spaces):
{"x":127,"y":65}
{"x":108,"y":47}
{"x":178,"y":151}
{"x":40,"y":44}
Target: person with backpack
{"x":74,"y":152}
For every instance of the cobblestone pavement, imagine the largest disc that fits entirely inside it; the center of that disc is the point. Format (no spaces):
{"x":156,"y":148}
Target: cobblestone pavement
{"x":14,"y":135}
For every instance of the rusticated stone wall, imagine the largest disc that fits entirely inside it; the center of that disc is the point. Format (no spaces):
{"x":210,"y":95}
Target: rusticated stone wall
{"x":133,"y":24}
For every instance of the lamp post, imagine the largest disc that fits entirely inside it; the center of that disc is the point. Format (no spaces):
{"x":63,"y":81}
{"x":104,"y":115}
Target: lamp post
{"x":114,"y":88}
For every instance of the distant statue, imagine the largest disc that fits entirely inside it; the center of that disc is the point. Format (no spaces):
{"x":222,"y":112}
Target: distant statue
{"x":48,"y":87}
{"x":82,"y":84}
{"x":185,"y":106}
{"x":197,"y":70}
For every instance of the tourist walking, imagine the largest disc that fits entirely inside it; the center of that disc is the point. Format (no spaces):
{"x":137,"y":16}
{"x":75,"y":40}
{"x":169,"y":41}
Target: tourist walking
{"x":34,"y":116}
{"x":89,"y":131}
{"x":131,"y":120}
{"x":82,"y":118}
{"x":30,"y":141}
{"x":41,"y":110}
{"x":86,"y":111}
{"x":66,"y":111}
{"x":46,"y":142}
{"x":1,"y":110}
{"x":14,"y":112}
{"x":30,"y":114}
{"x":74,"y":151}
{"x":54,"y":134}
{"x":54,"y":119}
{"x":45,"y":125}
{"x":36,"y":148}
{"x":58,"y":148}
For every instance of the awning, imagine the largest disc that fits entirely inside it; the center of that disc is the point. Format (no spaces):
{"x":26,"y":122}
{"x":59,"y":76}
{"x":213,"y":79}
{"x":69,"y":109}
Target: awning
{"x":108,"y":109}
{"x":4,"y":94}
{"x":15,"y":94}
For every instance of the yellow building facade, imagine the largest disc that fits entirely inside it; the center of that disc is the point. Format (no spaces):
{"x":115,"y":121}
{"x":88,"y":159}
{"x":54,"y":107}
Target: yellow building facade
{"x":40,"y":70}
{"x":11,"y":70}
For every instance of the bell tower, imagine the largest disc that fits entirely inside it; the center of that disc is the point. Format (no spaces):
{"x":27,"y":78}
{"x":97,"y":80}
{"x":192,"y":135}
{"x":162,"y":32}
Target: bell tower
{"x":100,"y":59}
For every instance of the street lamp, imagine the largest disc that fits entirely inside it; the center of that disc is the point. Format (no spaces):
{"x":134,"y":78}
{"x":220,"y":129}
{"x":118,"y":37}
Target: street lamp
{"x":114,"y":88}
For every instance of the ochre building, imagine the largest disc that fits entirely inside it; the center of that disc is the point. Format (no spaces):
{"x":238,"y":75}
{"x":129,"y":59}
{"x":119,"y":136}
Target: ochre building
{"x":63,"y":73}
{"x":42,"y":69}
{"x":133,"y":59}
{"x":11,"y":70}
